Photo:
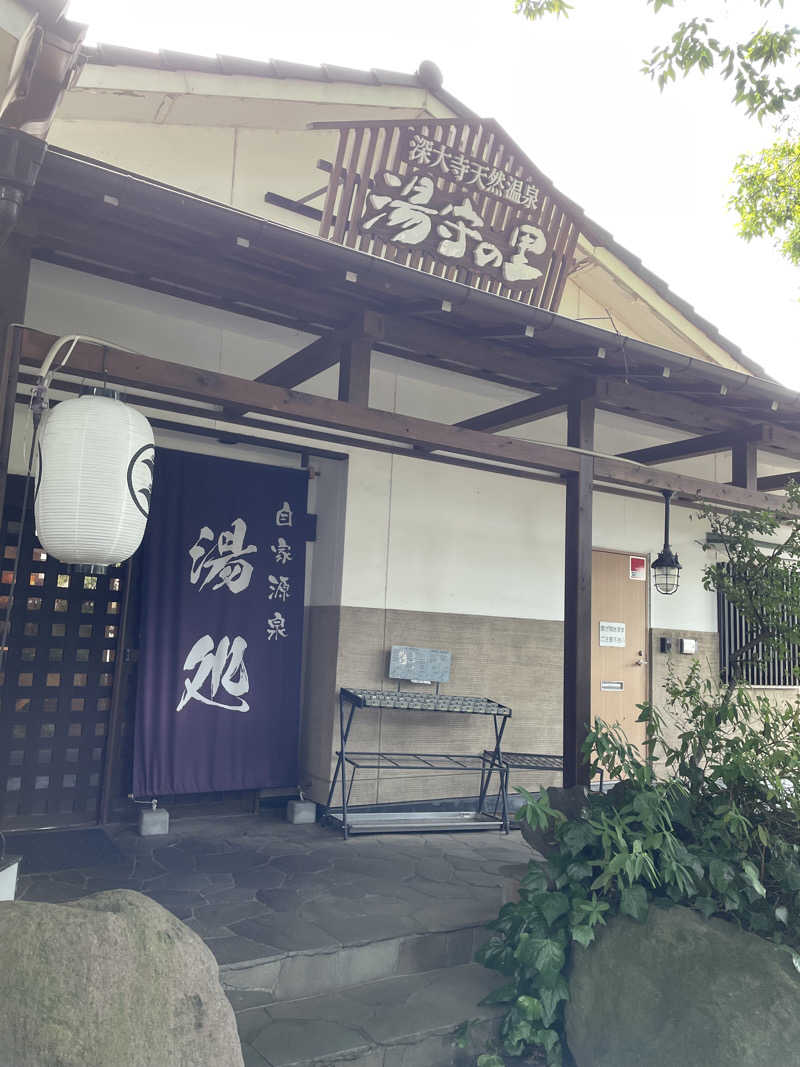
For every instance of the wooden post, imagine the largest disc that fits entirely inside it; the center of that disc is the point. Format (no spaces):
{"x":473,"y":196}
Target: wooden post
{"x":578,"y":593}
{"x":354,"y":370}
{"x":14,"y":269}
{"x":744,"y":465}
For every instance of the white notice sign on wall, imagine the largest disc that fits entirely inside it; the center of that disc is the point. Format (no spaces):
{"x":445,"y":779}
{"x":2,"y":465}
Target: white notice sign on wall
{"x":612,"y":633}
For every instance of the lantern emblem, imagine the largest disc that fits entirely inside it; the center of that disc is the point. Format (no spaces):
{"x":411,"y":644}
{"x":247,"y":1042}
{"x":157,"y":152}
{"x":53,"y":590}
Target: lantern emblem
{"x":140,"y":477}
{"x":96,"y":461}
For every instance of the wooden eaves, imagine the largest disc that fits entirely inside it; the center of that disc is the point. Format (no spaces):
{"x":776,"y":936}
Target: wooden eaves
{"x":90,"y":360}
{"x":94,"y":218}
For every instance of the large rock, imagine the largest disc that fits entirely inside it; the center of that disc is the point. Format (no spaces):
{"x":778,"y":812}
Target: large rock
{"x":113,"y":980}
{"x":680,"y":989}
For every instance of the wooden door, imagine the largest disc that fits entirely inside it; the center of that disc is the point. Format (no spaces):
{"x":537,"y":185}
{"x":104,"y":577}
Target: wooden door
{"x":620,"y":674}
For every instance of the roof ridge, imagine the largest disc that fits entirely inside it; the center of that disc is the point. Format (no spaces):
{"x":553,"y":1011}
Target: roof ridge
{"x":428,"y":76}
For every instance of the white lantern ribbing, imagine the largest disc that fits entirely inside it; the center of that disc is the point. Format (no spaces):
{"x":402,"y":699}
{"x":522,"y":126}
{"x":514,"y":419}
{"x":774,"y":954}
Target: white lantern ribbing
{"x":94,"y":481}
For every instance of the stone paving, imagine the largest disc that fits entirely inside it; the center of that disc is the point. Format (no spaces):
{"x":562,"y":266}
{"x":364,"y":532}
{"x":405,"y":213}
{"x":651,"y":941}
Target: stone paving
{"x":254,"y":886}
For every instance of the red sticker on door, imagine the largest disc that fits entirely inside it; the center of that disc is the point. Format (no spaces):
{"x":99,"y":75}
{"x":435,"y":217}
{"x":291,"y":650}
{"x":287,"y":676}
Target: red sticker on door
{"x":638,"y":568}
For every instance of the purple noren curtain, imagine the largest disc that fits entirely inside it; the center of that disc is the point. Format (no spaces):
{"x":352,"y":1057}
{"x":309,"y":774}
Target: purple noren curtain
{"x":222,"y":619}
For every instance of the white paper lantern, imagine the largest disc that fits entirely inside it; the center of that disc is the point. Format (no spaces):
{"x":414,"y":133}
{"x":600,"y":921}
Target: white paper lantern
{"x":94,"y":481}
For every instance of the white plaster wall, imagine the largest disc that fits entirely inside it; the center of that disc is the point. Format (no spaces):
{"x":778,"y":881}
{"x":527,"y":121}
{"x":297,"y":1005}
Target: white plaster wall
{"x":424,"y":536}
{"x":63,"y":301}
{"x":226,"y":163}
{"x":406,"y":533}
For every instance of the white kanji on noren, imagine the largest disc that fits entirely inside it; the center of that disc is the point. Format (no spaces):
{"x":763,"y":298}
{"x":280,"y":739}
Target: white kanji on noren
{"x":276,"y":627}
{"x":279,"y":588}
{"x":221,"y":559}
{"x":284,"y":516}
{"x":221,"y":667}
{"x":282,"y":551}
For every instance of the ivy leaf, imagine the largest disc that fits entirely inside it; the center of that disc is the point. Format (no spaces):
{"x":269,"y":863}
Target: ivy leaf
{"x":535,"y":879}
{"x":720,"y":875}
{"x":577,"y":835}
{"x":548,"y":1039}
{"x":576,"y":872}
{"x":705,"y":905}
{"x":552,"y":905}
{"x":633,"y":902}
{"x":490,"y":1061}
{"x":527,"y":950}
{"x":782,"y":915}
{"x":584,"y":935}
{"x":551,"y":998}
{"x":528,"y":1008}
{"x":554,"y":1057}
{"x":751,"y":876}
{"x":796,"y":961}
{"x":504,"y":994}
{"x":550,"y":956}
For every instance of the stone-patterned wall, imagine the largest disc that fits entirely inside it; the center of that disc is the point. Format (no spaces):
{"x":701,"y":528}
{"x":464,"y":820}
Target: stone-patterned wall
{"x":660,"y":663}
{"x":518,"y":662}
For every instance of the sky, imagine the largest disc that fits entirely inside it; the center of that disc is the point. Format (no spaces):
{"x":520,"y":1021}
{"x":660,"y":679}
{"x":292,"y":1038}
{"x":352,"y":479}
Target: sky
{"x":652,"y":168}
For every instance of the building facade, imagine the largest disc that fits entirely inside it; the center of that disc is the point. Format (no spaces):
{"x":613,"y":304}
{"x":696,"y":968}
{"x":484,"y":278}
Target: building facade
{"x":165,"y":173}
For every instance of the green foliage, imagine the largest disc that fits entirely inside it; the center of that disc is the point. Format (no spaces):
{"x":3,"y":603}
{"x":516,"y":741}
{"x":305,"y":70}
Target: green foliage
{"x":767,"y":197}
{"x":762,"y":66}
{"x":537,"y":9}
{"x":718,"y":835}
{"x":751,"y":64}
{"x":708,"y":817}
{"x":763,"y":585}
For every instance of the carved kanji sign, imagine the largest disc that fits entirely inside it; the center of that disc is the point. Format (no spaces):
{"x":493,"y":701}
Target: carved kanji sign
{"x":453,"y":198}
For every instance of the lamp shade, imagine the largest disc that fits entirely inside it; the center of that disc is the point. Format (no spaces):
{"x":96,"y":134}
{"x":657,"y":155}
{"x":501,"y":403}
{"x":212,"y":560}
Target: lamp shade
{"x":666,"y":572}
{"x":96,"y":459}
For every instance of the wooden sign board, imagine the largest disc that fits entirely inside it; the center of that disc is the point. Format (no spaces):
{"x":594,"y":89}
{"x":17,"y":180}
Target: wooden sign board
{"x":456,"y":199}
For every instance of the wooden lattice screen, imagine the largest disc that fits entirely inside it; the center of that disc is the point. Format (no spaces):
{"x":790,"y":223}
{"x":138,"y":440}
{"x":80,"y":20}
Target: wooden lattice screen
{"x":486,"y":158}
{"x":56,"y":689}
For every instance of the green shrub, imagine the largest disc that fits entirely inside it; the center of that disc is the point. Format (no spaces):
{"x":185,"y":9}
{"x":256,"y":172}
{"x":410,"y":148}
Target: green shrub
{"x":709,"y":820}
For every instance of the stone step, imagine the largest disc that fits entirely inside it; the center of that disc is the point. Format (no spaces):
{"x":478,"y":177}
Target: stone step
{"x":406,"y":1021}
{"x":290,"y":975}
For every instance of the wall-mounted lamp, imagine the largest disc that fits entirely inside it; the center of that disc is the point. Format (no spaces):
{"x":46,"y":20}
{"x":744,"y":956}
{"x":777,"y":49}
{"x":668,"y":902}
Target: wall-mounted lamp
{"x":666,"y":569}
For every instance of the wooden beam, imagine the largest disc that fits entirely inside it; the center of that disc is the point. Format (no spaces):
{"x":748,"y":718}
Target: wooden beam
{"x":623,"y":472}
{"x":354,"y":371}
{"x":15,"y":262}
{"x":578,"y":594}
{"x":694,"y":446}
{"x":187,"y":265}
{"x":777,"y":481}
{"x":307,"y":363}
{"x":145,"y":372}
{"x":677,"y":412}
{"x":744,"y":464}
{"x":428,"y":339}
{"x":519,"y":413}
{"x":783,"y":442}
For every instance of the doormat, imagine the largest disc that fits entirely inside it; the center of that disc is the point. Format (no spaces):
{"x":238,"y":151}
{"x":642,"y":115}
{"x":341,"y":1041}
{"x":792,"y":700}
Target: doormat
{"x":45,"y":851}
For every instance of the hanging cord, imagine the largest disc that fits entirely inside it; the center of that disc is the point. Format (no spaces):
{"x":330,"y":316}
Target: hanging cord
{"x":621,"y":338}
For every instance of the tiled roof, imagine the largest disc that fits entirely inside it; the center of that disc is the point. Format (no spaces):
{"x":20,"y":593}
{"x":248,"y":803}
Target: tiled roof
{"x":428,"y":76}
